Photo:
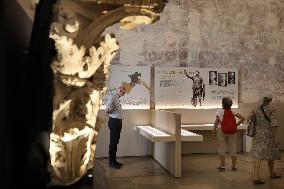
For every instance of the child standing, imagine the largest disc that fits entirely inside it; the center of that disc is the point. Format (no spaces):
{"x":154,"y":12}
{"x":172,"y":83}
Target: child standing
{"x":226,"y":136}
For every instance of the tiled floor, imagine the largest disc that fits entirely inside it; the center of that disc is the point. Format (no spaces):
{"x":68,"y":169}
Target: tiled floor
{"x":199,"y":172}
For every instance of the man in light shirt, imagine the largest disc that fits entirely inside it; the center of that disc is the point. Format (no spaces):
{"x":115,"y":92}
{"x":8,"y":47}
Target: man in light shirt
{"x":114,"y":111}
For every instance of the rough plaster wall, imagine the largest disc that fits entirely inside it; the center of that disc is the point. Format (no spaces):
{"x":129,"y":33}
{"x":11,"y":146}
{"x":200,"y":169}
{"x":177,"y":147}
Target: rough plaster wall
{"x":248,"y":35}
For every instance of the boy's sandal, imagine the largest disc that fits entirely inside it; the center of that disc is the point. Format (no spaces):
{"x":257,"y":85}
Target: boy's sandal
{"x":258,"y":181}
{"x":234,"y":168}
{"x":221,"y":168}
{"x":275,"y":176}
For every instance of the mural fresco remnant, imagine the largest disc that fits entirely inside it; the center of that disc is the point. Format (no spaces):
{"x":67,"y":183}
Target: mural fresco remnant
{"x":246,"y":35}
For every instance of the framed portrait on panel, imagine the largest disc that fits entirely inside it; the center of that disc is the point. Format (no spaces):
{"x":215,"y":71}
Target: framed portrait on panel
{"x":222,"y":79}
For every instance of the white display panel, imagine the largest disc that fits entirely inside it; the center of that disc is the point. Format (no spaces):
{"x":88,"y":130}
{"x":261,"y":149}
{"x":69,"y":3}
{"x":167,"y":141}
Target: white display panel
{"x":200,"y":88}
{"x":136,"y":80}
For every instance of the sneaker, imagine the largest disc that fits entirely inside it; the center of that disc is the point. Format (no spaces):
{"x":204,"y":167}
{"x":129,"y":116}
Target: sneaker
{"x":118,"y":163}
{"x":114,"y":165}
{"x":221,"y":168}
{"x":258,"y":181}
{"x":275,"y":176}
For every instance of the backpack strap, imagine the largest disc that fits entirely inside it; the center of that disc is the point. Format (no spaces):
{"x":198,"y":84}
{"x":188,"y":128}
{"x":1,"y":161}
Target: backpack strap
{"x":266,"y":117}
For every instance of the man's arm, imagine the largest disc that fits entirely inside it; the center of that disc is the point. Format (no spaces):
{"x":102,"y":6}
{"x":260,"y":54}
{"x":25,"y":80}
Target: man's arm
{"x":109,"y":105}
{"x":109,"y":110}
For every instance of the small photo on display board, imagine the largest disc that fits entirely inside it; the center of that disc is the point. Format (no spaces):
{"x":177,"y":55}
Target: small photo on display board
{"x":222,"y":79}
{"x":231,"y":78}
{"x":212,"y":77}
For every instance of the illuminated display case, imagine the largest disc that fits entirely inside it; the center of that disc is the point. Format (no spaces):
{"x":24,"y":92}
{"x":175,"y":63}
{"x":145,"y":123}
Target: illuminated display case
{"x":157,"y":135}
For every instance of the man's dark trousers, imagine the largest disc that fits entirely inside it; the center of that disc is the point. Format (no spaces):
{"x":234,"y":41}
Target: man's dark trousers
{"x":114,"y":126}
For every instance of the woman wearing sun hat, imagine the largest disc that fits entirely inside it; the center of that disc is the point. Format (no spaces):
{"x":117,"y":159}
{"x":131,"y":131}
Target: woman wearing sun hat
{"x":265,"y":143}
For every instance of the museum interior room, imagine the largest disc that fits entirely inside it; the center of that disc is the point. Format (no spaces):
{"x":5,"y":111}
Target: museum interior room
{"x":169,"y":72}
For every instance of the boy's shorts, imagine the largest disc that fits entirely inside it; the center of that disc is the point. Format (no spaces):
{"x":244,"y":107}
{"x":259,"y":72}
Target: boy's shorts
{"x":226,"y":140}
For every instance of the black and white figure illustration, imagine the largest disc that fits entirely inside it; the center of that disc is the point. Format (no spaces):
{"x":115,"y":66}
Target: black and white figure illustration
{"x":222,"y":79}
{"x":198,"y":88}
{"x":231,"y":78}
{"x":212,"y":77}
{"x":135,"y":80}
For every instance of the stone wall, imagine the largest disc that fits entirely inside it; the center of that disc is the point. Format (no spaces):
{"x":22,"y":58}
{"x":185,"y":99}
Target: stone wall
{"x":248,"y":35}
